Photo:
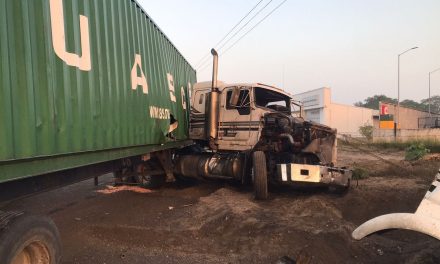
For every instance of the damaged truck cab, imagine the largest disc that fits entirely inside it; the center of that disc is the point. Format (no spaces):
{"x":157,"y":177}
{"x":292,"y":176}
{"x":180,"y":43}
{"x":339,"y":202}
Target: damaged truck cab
{"x":255,"y":133}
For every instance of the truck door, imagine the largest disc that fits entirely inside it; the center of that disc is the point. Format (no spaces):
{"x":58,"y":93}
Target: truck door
{"x":236,"y":126}
{"x":198,"y":114}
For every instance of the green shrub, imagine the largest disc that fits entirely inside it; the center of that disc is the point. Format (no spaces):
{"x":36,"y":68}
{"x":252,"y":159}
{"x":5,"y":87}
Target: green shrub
{"x":432,"y":145}
{"x":416,"y":151}
{"x":359,"y":173}
{"x":366,"y":131}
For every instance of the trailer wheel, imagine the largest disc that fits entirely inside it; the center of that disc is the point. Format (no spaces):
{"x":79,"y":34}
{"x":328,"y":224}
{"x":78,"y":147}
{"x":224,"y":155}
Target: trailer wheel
{"x":259,"y":175}
{"x":28,"y":239}
{"x":147,"y":176}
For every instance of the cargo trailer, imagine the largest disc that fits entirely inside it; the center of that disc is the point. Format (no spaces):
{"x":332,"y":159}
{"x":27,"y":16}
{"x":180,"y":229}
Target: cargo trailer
{"x":86,"y":88}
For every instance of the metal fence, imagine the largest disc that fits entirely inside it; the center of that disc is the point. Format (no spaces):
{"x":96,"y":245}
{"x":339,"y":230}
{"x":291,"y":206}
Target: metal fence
{"x":429,"y":122}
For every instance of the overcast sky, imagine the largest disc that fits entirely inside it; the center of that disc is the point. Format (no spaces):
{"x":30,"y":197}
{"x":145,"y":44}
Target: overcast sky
{"x":348,"y":45}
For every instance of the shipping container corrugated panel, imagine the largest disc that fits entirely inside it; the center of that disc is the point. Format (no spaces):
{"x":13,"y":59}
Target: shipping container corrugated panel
{"x":87,"y":75}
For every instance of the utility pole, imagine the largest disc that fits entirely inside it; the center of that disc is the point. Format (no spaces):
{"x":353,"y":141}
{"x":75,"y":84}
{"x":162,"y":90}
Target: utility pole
{"x":429,"y":89}
{"x":397,"y":120}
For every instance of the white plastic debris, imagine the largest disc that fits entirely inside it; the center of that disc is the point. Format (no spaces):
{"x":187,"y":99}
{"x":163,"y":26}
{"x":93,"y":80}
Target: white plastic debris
{"x":425,"y":220}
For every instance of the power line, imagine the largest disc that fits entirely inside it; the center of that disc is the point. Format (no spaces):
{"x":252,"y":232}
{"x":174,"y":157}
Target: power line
{"x":238,"y":31}
{"x":259,"y":11}
{"x":258,"y":23}
{"x":241,"y":28}
{"x":236,"y":25}
{"x":239,"y":23}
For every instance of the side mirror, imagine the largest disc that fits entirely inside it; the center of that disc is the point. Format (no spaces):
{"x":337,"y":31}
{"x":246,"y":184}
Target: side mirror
{"x":235,"y":96}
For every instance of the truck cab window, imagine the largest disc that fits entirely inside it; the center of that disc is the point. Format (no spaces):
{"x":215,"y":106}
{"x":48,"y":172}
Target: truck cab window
{"x":271,"y":99}
{"x":243,"y":105}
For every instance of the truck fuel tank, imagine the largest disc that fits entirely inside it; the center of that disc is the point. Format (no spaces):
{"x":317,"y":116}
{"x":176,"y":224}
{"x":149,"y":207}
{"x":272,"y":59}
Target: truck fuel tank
{"x":210,"y":165}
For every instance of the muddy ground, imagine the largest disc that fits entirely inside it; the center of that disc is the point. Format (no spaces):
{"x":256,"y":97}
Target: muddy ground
{"x":218,"y":222}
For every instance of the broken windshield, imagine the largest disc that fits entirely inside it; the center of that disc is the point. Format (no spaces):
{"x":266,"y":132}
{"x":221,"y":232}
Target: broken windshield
{"x":271,"y":99}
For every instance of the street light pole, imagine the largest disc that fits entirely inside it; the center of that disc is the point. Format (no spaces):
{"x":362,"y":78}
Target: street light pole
{"x":397,"y":120}
{"x":429,"y":87}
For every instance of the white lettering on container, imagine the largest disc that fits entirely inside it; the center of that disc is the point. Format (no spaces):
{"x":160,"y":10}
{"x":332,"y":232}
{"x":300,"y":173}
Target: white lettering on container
{"x":82,"y":62}
{"x":171,"y":87}
{"x":189,"y":90}
{"x":159,"y":113}
{"x":183,"y":97}
{"x":138,"y":80}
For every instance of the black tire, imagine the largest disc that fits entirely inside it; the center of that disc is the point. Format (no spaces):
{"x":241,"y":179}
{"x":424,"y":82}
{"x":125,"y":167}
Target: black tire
{"x":148,"y":181}
{"x":260,"y":175}
{"x":29,"y":237}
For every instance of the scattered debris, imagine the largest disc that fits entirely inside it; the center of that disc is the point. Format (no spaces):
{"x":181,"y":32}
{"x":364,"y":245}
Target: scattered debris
{"x":425,"y":220}
{"x":432,"y":157}
{"x":114,"y":189}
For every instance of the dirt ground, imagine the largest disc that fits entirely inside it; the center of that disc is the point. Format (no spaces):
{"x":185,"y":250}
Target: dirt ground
{"x":218,"y":222}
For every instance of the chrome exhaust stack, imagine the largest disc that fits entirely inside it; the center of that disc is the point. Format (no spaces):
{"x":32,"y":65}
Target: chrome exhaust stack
{"x":213,"y":113}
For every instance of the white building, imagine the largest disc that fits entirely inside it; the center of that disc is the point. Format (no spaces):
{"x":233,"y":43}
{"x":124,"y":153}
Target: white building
{"x":347,"y":119}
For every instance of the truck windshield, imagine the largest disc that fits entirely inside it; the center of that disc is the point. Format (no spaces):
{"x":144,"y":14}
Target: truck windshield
{"x":271,"y":99}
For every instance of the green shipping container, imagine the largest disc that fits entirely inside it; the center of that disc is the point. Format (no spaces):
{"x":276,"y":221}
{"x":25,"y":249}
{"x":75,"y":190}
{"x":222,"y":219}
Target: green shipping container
{"x":86,"y":81}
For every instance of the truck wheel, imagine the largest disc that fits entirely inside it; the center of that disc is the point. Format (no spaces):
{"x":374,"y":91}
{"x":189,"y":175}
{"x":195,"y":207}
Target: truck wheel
{"x":28,"y":239}
{"x":146,"y":177}
{"x":259,"y":175}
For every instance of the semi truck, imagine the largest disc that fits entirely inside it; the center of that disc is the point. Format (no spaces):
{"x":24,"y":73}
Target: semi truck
{"x":255,"y":133}
{"x":95,"y":87}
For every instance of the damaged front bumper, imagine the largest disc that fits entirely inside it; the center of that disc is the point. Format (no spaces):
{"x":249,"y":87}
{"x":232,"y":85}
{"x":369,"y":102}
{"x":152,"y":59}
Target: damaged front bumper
{"x":304,"y":173}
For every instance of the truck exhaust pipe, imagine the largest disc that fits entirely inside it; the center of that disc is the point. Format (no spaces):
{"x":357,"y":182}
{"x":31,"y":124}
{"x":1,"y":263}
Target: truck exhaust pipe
{"x":213,"y":109}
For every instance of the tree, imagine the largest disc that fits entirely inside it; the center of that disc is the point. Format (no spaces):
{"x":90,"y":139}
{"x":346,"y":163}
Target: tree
{"x":435,"y":104}
{"x":367,"y":131}
{"x":373,"y":102}
{"x":414,"y":105}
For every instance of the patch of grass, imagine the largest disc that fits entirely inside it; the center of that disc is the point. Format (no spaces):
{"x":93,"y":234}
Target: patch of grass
{"x":416,"y":151}
{"x":432,"y":145}
{"x":360,"y":173}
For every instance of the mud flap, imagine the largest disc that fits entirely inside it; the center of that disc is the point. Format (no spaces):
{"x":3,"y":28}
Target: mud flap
{"x":425,"y":220}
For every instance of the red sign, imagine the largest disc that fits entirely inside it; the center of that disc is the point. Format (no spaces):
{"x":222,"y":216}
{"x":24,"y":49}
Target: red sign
{"x":383,"y":109}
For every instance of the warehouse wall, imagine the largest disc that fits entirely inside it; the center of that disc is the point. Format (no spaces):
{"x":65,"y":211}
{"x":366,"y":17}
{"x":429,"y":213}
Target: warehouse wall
{"x":403,"y":135}
{"x":347,"y":119}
